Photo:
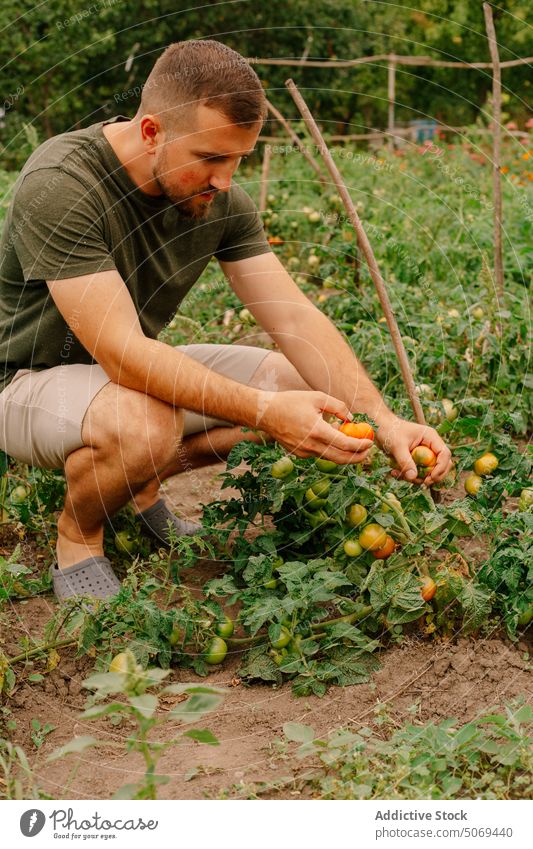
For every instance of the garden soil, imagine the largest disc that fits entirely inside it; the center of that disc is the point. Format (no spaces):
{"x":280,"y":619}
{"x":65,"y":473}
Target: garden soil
{"x":418,"y":681}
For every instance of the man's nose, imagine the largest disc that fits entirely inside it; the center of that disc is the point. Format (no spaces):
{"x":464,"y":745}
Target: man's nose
{"x":221,"y":176}
{"x":222,"y":182}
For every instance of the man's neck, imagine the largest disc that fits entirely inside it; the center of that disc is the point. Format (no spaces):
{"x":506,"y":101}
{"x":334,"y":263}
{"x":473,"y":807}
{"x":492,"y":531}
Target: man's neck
{"x":123,"y":138}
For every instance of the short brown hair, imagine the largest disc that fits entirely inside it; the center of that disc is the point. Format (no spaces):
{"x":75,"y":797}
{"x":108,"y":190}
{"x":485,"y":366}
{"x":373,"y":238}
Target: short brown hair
{"x":190,"y":73}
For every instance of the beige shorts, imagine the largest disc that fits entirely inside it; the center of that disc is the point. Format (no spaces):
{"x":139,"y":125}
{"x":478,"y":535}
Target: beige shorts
{"x":42,"y":412}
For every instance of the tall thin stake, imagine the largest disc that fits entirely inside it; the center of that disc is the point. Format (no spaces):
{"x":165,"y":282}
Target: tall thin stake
{"x":496,"y":148}
{"x":267,"y":152}
{"x":391,"y":94}
{"x":366,"y":248}
{"x":298,"y":142}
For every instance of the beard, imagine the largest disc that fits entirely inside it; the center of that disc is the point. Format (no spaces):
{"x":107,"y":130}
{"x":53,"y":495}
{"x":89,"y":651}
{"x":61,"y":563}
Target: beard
{"x":189,"y":205}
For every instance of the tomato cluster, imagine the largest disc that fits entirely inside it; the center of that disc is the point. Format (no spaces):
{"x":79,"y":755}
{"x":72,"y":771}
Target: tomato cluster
{"x":484,"y":466}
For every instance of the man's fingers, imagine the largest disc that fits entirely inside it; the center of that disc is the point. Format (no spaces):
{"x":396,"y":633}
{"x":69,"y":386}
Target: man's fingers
{"x":406,"y":465}
{"x":442,"y":466}
{"x":328,"y":404}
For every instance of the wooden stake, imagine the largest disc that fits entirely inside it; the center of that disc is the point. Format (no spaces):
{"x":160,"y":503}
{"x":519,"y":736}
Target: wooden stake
{"x":496,"y":148}
{"x":391,"y":93}
{"x":366,"y":248}
{"x":298,"y":142}
{"x":267,"y":153}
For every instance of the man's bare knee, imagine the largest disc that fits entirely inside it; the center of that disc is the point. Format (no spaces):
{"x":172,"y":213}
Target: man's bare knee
{"x":145,"y":431}
{"x":276,"y":374}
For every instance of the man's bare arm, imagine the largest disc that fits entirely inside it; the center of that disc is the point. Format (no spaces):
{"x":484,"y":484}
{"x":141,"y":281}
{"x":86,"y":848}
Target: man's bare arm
{"x":315,"y":347}
{"x":108,"y":327}
{"x":305,"y":335}
{"x":106,"y":323}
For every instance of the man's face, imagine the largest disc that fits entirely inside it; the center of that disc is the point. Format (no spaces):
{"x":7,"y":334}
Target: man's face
{"x":192,"y":168}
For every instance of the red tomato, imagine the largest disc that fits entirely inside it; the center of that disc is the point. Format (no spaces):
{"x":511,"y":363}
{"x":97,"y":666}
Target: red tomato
{"x":386,"y":550}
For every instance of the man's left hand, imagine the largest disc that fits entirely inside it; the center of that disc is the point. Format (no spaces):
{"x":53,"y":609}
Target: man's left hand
{"x":397,"y":438}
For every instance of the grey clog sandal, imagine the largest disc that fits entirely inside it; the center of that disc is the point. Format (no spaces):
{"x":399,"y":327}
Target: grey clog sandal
{"x":154,"y":522}
{"x":91,"y":577}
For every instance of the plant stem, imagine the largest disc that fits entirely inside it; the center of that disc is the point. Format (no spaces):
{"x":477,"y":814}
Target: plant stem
{"x":40,"y":649}
{"x":356,"y":616}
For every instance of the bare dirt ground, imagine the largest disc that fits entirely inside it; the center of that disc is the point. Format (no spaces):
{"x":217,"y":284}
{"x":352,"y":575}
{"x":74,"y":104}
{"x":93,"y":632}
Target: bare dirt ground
{"x":418,"y":680}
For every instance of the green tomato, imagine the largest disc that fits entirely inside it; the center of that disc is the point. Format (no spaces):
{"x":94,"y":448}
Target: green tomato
{"x":352,"y":548}
{"x":282,"y":468}
{"x":125,"y":542}
{"x":450,"y":410}
{"x":325,"y":465}
{"x":473,"y":484}
{"x":313,"y":500}
{"x":176,"y":636}
{"x":216,"y":651}
{"x":270,"y":585}
{"x":357,"y":515}
{"x":321,"y":487}
{"x":19,"y":495}
{"x":124,"y":663}
{"x":525,"y":617}
{"x":317,"y":519}
{"x":277,"y":563}
{"x":283,"y":639}
{"x":225,"y":628}
{"x":526,"y":500}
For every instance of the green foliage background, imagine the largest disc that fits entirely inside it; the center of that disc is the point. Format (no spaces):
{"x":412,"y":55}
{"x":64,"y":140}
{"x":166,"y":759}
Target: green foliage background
{"x":69,"y":57}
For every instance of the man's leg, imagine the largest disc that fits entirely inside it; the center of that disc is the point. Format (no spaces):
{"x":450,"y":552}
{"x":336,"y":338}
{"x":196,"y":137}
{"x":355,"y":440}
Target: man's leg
{"x":275,"y":373}
{"x":129,"y":438}
{"x":132,"y":442}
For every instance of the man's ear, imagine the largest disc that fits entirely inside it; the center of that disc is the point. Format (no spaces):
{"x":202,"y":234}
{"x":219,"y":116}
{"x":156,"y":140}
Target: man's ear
{"x":151,"y":132}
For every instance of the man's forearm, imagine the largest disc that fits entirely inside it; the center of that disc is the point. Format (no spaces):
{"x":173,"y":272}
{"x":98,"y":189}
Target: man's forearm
{"x":159,"y":370}
{"x":323,"y":358}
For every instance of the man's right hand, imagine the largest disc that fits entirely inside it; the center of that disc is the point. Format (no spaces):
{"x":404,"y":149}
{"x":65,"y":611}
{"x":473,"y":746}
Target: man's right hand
{"x":296,"y":420}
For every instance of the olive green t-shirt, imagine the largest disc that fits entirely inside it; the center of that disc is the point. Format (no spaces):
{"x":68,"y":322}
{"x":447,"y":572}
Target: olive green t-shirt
{"x":76,"y":211}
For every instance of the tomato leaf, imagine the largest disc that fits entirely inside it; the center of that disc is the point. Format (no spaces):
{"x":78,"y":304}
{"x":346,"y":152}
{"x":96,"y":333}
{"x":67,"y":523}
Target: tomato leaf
{"x":298,"y":733}
{"x":202,"y":736}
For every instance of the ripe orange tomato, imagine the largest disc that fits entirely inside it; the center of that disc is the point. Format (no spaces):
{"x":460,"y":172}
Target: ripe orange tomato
{"x":373,"y":537}
{"x":358,"y":430}
{"x":428,"y":589}
{"x":386,"y":550}
{"x":424,"y":456}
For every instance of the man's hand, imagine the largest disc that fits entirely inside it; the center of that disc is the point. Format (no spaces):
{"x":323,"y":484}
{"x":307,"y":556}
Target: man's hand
{"x":295,"y":419}
{"x":397,"y":437}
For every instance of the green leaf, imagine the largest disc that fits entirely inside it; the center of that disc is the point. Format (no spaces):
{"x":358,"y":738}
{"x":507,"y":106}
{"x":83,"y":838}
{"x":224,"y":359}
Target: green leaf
{"x":298,"y":733}
{"x":476,"y":602}
{"x":259,"y":666}
{"x":96,"y":711}
{"x":202,"y":736}
{"x":196,"y":705}
{"x":145,"y":704}
{"x":77,"y":745}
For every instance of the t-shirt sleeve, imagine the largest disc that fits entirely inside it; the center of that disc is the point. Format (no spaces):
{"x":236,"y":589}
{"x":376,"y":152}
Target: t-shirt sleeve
{"x":57,"y":227}
{"x":244,"y":235}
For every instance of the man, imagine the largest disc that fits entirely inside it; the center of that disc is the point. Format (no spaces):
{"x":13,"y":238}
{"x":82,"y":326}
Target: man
{"x":108,"y":228}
